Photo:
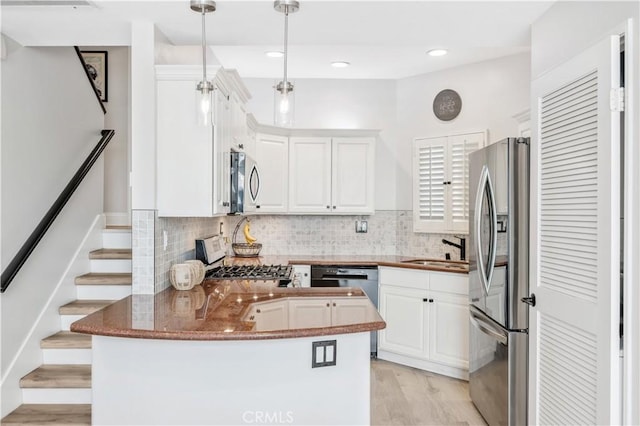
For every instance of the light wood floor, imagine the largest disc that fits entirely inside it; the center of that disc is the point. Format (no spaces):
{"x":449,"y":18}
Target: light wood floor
{"x":407,"y":396}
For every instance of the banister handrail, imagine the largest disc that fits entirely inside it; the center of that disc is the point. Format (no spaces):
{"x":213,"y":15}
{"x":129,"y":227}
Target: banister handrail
{"x":93,"y":84}
{"x":27,"y":248}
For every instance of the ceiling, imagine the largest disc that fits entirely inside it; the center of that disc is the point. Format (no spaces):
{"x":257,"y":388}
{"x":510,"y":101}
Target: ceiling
{"x":381,"y":39}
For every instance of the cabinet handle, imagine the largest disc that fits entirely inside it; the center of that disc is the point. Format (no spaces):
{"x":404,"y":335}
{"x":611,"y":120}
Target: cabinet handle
{"x":328,"y":207}
{"x":225,"y":204}
{"x":257,"y":311}
{"x":334,"y":304}
{"x":241,"y":145}
{"x":430,"y":300}
{"x":251,"y":317}
{"x":257,"y":207}
{"x":425,"y":300}
{"x":334,"y":207}
{"x":328,"y":305}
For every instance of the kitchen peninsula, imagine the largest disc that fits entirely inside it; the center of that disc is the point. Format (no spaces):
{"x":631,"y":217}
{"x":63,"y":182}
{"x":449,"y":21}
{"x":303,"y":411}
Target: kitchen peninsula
{"x":233,"y":352}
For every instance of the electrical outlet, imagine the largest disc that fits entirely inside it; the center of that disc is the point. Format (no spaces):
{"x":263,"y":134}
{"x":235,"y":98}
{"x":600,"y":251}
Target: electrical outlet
{"x":361,"y":226}
{"x":323,"y":353}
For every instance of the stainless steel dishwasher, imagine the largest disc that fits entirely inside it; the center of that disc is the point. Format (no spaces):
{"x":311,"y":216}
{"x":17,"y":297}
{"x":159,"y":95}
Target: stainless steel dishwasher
{"x":364,"y":277}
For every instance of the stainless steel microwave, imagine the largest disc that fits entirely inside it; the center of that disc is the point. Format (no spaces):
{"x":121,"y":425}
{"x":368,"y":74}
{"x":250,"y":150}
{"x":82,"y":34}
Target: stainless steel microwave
{"x":245,"y":183}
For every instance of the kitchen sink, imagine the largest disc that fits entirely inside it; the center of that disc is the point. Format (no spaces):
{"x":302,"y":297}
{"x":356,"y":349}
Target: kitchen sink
{"x":438,"y":264}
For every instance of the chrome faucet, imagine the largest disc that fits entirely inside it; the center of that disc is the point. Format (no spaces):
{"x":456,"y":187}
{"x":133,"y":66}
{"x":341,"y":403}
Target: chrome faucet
{"x":462,"y":246}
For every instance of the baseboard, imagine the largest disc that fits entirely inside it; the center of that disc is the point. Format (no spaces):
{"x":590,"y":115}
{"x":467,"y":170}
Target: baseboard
{"x":30,"y":356}
{"x":434,"y":367}
{"x":118,"y":218}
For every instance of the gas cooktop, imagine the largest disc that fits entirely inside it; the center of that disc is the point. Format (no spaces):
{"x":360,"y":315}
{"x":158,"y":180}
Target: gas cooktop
{"x":252,"y":272}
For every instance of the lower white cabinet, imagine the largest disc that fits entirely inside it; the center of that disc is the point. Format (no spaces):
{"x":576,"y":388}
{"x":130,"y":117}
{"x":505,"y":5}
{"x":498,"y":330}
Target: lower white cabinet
{"x":270,"y":315}
{"x":427,"y":316}
{"x":311,"y":312}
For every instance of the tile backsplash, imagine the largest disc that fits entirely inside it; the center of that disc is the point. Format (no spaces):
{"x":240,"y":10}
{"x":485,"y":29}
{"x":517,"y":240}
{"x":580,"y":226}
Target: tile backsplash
{"x":390,"y":232}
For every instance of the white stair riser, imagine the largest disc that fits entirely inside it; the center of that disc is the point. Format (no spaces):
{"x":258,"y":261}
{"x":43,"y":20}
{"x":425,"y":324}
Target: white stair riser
{"x":66,"y":356}
{"x":112,"y":239}
{"x":56,"y":396}
{"x":66,"y":320}
{"x":110,"y":265}
{"x":103,"y":292}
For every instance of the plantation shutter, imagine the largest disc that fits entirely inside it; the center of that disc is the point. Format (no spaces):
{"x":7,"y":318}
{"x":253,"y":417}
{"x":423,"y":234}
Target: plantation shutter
{"x":460,"y":146}
{"x":429,"y":175}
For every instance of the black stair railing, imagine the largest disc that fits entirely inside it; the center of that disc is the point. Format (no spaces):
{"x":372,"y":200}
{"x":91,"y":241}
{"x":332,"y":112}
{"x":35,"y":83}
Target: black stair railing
{"x":27,"y":248}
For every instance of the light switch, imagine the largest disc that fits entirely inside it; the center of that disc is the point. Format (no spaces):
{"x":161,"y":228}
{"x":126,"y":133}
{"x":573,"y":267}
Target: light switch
{"x":323,"y":353}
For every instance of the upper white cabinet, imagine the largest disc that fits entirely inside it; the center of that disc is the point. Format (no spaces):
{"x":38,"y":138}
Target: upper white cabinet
{"x":272,"y":157}
{"x":192,"y":158}
{"x":331,"y":175}
{"x":441,"y":181}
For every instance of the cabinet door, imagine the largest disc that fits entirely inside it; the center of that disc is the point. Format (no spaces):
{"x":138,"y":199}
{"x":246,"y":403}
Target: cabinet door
{"x":353,"y":165}
{"x":449,"y":329}
{"x":460,"y":146}
{"x":272,"y":316}
{"x":309,"y":313}
{"x":429,"y":182}
{"x":309,"y":175}
{"x":185,"y":153}
{"x":403,"y":309}
{"x":238,"y":121}
{"x":350,"y":310}
{"x":221,"y":171}
{"x":272,"y":157}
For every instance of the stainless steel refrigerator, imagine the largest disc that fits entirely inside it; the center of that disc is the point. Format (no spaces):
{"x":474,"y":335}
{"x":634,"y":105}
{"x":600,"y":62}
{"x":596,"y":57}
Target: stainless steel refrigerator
{"x":498,"y":280}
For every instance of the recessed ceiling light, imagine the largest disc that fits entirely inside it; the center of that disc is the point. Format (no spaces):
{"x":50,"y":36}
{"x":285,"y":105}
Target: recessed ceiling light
{"x":274,"y":54}
{"x":340,"y":64}
{"x":437,"y":52}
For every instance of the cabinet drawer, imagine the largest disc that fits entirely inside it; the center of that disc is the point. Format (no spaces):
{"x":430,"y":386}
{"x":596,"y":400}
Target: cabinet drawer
{"x":404,"y":277}
{"x":449,"y":282}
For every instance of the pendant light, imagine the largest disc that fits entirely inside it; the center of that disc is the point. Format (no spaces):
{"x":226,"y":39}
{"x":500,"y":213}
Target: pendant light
{"x":283,"y":108}
{"x":205,"y":87}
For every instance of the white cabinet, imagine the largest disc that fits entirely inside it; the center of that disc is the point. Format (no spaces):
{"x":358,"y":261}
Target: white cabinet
{"x":331,"y":175}
{"x":269,"y":315}
{"x":309,"y":175}
{"x":404,"y":311}
{"x":320,"y":312}
{"x":441,"y":182}
{"x":272,"y":157}
{"x":193,"y":159}
{"x":189,"y":154}
{"x":427,"y":316}
{"x":309,"y":313}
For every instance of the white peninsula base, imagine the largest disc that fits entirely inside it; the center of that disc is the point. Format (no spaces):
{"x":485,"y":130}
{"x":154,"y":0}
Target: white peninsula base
{"x":171,"y":382}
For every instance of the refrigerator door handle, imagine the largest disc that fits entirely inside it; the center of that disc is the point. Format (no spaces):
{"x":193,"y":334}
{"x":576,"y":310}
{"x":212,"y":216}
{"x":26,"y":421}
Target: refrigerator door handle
{"x":488,"y":328}
{"x":485,"y":184}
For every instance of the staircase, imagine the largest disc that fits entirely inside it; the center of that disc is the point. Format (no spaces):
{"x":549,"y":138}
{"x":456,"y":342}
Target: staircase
{"x":59,"y":391}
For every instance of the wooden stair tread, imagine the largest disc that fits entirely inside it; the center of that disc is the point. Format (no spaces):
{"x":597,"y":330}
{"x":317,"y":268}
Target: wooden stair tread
{"x":83,"y":307}
{"x":104,"y":278}
{"x":119,"y":227}
{"x":118,"y":253}
{"x":66,"y":340}
{"x":58,"y":376}
{"x":49,"y":414}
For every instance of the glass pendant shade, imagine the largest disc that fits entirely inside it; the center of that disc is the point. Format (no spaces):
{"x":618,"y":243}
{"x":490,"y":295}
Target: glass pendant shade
{"x":203,"y":108}
{"x":284,"y":105}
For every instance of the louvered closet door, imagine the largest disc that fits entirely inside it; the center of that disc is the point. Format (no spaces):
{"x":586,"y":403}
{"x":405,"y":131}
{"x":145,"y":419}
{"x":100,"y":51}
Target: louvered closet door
{"x":460,"y":146}
{"x":573,"y":345}
{"x":429,"y":195}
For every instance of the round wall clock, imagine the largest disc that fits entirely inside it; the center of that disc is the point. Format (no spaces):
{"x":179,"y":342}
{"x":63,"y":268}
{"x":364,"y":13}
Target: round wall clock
{"x":447,"y":105}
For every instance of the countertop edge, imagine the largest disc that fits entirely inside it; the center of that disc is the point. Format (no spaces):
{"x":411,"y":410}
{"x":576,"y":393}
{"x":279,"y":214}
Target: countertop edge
{"x":236,"y":336}
{"x":394,"y":264}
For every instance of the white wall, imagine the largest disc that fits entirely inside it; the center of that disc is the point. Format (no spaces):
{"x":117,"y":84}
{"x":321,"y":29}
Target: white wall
{"x":49,"y":125}
{"x":116,"y":156}
{"x":341,"y":104}
{"x":492,"y":93}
